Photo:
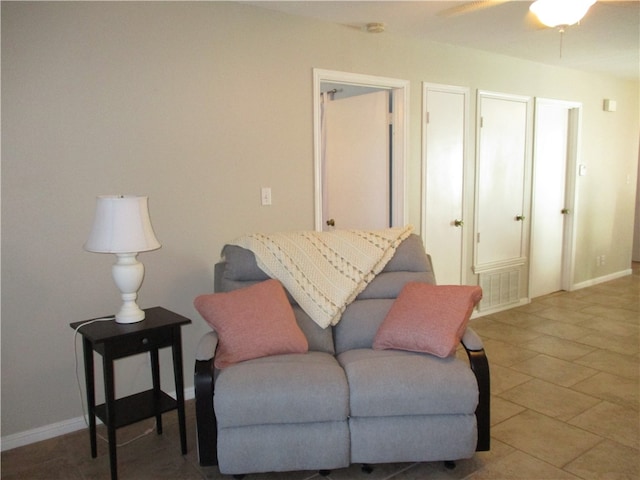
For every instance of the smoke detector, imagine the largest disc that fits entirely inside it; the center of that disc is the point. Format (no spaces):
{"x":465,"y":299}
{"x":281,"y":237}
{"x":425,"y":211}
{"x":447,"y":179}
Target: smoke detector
{"x":375,"y":27}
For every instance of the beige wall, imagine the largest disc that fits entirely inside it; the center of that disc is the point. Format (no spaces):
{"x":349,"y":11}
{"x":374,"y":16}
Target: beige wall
{"x":198,"y":105}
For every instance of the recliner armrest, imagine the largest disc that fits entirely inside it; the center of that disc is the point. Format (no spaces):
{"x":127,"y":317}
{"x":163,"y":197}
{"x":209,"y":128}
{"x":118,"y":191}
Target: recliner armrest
{"x":204,"y":385}
{"x":480,"y":367}
{"x":471,"y":340}
{"x":206,"y":348}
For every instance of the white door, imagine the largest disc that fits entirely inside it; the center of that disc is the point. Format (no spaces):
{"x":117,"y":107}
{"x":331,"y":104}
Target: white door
{"x":356,"y":187}
{"x":549,"y":208}
{"x":502,"y":176}
{"x":445,"y":128}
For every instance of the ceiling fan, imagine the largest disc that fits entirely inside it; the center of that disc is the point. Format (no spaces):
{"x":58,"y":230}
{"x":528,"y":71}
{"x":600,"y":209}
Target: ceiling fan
{"x":541,"y":14}
{"x":546,"y":13}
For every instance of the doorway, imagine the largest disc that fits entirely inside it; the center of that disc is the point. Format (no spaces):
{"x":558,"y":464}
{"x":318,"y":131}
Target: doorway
{"x":397,"y":93}
{"x":555,"y":156}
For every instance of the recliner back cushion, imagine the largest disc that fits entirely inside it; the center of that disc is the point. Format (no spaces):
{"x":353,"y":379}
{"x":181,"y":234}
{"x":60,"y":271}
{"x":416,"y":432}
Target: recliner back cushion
{"x":361,"y":319}
{"x":359,"y":323}
{"x":240,"y":270}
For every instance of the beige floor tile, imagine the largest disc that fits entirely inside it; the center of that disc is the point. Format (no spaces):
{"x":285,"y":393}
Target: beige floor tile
{"x":566,"y":301}
{"x":558,"y":347}
{"x":621,"y":314}
{"x":545,"y":438}
{"x":532,"y":307}
{"x":624,"y":345}
{"x":564,"y":315}
{"x":520,"y":466}
{"x":620,"y":390}
{"x":610,"y":362}
{"x":503,"y":378}
{"x":612,"y":327}
{"x":611,"y":421}
{"x":550,"y":399}
{"x":608,"y":460}
{"x":35,"y":453}
{"x":564,"y":330}
{"x":462,"y":470}
{"x":56,"y":469}
{"x":506,"y":354}
{"x":555,"y":370}
{"x":605,"y":299}
{"x":506,"y":333}
{"x":517,"y":318}
{"x":380,"y":472}
{"x":502,"y":409}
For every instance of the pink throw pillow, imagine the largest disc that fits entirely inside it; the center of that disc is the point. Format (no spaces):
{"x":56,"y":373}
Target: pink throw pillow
{"x":252,"y":322}
{"x":428,"y":318}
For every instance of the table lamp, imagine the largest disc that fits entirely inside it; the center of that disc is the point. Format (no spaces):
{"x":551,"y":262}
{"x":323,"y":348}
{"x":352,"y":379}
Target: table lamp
{"x":122,"y":226}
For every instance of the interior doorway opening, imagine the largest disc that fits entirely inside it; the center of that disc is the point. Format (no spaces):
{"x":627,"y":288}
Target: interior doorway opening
{"x":344,"y":83}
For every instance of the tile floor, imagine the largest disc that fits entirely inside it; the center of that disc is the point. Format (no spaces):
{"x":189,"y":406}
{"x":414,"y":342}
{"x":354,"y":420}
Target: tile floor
{"x":565,"y":405}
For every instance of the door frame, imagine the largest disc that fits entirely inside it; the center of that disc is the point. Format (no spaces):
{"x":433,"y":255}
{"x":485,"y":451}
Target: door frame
{"x":400,"y":93}
{"x":570,"y":194}
{"x":465,"y":91}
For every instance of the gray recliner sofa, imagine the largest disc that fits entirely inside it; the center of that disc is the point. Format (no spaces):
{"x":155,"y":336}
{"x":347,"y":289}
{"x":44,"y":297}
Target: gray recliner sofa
{"x":342,"y":402}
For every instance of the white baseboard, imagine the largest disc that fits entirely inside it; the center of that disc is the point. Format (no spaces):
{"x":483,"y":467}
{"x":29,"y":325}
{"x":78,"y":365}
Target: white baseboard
{"x":500,"y":308}
{"x":605,"y":278}
{"x":59,"y":428}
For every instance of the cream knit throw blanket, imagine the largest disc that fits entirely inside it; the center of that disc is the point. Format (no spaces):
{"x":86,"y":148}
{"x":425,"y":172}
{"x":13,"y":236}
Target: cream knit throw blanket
{"x":324,"y":271}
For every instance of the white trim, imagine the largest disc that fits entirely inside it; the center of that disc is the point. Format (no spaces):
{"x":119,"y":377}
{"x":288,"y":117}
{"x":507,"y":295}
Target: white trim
{"x":53,"y":430}
{"x":596,"y":281}
{"x":500,"y":308}
{"x":400,"y":89}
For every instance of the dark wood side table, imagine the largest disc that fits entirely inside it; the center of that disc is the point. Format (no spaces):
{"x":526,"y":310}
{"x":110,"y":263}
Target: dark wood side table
{"x":159,"y":329}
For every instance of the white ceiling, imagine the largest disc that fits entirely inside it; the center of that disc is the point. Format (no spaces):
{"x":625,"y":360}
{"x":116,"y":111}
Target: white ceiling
{"x":606,"y":40}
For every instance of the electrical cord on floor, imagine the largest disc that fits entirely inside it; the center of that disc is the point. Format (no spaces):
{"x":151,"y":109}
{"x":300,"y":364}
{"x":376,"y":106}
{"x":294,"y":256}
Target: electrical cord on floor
{"x":82,"y":398}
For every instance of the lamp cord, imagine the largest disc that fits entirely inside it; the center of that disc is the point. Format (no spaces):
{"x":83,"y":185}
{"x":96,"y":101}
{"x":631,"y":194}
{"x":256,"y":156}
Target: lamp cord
{"x":82,"y":398}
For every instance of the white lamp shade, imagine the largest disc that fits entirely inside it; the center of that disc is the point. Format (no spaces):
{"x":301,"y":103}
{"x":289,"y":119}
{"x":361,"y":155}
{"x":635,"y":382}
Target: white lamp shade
{"x":560,"y":12}
{"x":121,"y":225}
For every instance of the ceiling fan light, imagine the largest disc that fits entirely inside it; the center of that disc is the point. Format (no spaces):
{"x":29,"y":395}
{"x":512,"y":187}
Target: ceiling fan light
{"x":560,"y":12}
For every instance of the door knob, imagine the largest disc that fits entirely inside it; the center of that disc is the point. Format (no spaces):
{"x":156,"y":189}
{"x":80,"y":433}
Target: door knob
{"x":520,"y":218}
{"x":331,"y":222}
{"x":458,"y":223}
{"x":565,"y":211}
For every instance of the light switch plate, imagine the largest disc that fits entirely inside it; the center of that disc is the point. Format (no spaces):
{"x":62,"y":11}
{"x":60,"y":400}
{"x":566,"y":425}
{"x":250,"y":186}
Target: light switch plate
{"x":265,"y":195}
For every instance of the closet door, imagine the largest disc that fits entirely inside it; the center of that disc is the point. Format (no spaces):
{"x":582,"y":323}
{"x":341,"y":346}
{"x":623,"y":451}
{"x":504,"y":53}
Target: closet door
{"x":502,"y":181}
{"x":445,"y":110}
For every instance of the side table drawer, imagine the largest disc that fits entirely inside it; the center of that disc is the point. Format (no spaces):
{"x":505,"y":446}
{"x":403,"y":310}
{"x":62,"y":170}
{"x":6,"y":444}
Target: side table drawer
{"x":141,"y":342}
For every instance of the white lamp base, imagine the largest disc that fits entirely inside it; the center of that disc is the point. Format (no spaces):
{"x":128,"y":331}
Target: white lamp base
{"x":128,"y":274}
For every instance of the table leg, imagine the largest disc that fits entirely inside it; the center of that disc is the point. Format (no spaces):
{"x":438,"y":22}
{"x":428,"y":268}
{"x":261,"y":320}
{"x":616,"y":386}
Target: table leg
{"x":110,"y":394}
{"x":179,"y":378}
{"x":91,"y":395}
{"x":155,"y":374}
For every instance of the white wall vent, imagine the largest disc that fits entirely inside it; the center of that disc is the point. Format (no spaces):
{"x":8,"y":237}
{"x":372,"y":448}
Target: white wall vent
{"x":499,"y":288}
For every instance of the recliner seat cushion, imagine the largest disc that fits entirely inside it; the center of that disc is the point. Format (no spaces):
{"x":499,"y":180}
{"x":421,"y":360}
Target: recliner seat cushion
{"x":292,"y":388}
{"x":384,"y":383}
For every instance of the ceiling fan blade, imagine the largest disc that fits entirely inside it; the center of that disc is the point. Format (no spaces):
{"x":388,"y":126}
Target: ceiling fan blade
{"x":470,"y":7}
